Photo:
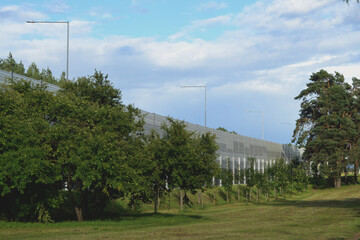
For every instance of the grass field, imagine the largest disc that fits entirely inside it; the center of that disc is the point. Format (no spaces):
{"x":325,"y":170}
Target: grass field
{"x":314,"y":214}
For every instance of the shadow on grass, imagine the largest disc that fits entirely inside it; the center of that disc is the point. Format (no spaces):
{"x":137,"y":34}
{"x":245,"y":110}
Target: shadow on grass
{"x":222,"y":194}
{"x":144,"y":218}
{"x":350,"y":203}
{"x":117,"y":212}
{"x":210,"y":196}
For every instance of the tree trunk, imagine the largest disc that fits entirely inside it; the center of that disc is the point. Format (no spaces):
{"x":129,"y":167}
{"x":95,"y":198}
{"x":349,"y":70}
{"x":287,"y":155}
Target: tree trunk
{"x":78,"y":210}
{"x":250,"y":194}
{"x":257,"y":195}
{"x":227,"y":196}
{"x":214,"y":196}
{"x":275,"y":193}
{"x":267,"y":196}
{"x":201,"y":200}
{"x":156,"y":200}
{"x":79,"y":214}
{"x":181,"y":200}
{"x":198,"y":198}
{"x":346,"y":177}
{"x":337,"y":182}
{"x":169,"y":200}
{"x":356,"y":166}
{"x":238,"y":193}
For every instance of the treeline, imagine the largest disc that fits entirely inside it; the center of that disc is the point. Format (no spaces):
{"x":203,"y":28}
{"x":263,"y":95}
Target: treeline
{"x":11,"y":65}
{"x":81,"y":147}
{"x":328,"y":126}
{"x":278,"y":178}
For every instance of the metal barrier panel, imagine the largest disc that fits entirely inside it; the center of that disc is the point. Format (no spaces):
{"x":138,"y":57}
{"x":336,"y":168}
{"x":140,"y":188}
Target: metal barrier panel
{"x":235,"y":147}
{"x":6,"y":77}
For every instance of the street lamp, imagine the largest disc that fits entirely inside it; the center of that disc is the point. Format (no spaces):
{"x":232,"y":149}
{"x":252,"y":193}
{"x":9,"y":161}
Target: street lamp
{"x":203,"y":86}
{"x":67,"y":45}
{"x":251,"y":111}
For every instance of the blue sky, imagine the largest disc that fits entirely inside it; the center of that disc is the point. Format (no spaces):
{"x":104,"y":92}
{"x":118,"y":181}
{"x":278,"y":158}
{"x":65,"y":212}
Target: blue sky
{"x":251,"y":54}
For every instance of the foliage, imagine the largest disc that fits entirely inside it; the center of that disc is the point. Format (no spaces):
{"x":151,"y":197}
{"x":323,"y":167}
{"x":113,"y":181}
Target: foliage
{"x":9,"y":64}
{"x":227,"y":179}
{"x":84,"y":143}
{"x":222,"y":129}
{"x":95,"y":88}
{"x":96,"y":144}
{"x":189,"y":159}
{"x":29,"y":177}
{"x":325,"y":127}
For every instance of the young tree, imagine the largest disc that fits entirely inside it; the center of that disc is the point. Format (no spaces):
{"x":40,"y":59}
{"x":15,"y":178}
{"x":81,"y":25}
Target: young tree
{"x":205,"y":165}
{"x":282,"y":176}
{"x":227,"y":179}
{"x":157,"y":167}
{"x":33,"y":71}
{"x":273,"y":184}
{"x":250,"y":175}
{"x":9,"y":64}
{"x":300,"y":178}
{"x":46,"y":76}
{"x":191,"y":159}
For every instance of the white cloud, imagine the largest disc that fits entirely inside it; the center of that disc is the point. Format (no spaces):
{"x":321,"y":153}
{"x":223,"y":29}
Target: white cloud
{"x":295,"y":7}
{"x":202,"y":25}
{"x":267,"y":58}
{"x":19,"y":13}
{"x":99,"y":13}
{"x":211,"y":6}
{"x":349,"y":70}
{"x":57,"y":6}
{"x":220,"y":20}
{"x":257,"y":86}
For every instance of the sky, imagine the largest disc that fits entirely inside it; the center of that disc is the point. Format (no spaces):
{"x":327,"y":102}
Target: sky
{"x":254,"y":56}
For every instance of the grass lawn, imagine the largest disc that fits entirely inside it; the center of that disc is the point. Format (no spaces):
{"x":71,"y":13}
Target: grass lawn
{"x":315,"y":214}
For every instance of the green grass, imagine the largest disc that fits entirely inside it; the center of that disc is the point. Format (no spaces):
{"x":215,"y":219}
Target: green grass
{"x":315,"y":214}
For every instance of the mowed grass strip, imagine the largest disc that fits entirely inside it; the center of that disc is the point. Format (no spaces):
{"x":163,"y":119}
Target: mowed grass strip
{"x":315,"y":214}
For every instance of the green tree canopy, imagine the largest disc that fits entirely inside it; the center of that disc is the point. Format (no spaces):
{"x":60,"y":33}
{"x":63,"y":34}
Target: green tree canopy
{"x":9,"y":64}
{"x":29,"y":176}
{"x":325,"y":127}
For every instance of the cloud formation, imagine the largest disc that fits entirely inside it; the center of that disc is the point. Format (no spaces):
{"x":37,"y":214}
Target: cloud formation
{"x":211,"y":6}
{"x":261,"y":58}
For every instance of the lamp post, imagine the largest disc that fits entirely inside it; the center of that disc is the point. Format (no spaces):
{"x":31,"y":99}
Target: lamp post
{"x":67,"y":42}
{"x":252,"y":111}
{"x":203,"y":86}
